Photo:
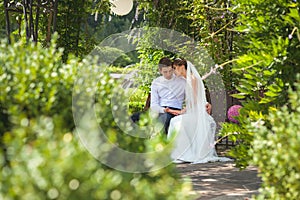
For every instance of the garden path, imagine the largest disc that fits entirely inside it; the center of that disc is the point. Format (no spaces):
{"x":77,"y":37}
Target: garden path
{"x":221,"y":180}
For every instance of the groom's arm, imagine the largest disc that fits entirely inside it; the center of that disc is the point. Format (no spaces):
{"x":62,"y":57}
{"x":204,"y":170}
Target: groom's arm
{"x":174,"y":112}
{"x":155,"y":100}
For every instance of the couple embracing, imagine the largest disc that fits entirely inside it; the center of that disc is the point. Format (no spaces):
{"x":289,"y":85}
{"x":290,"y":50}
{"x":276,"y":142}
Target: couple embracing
{"x":192,"y":127}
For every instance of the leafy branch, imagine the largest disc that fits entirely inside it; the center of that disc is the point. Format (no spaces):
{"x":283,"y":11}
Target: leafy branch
{"x":214,"y":69}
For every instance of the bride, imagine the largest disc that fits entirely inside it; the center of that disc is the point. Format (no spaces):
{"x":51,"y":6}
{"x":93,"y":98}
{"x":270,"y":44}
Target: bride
{"x":194,"y":131}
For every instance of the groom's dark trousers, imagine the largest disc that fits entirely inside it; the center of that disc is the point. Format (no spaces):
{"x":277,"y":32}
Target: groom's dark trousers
{"x":165,"y":118}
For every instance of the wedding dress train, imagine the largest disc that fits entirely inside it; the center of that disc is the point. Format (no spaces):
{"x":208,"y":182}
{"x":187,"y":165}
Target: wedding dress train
{"x":193,"y":133}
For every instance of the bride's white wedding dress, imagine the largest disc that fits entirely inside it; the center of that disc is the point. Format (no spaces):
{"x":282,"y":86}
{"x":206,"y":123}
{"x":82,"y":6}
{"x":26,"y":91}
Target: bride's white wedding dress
{"x":193,"y":133}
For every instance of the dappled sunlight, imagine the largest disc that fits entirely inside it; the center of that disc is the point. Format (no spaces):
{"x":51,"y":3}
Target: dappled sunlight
{"x":212,"y":180}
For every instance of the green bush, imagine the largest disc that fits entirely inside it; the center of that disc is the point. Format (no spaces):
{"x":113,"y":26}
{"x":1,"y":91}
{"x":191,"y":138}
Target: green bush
{"x":136,"y":106}
{"x":137,"y":101}
{"x":276,"y":151}
{"x":41,"y":157}
{"x":54,"y":165}
{"x":241,"y":135}
{"x":34,"y":81}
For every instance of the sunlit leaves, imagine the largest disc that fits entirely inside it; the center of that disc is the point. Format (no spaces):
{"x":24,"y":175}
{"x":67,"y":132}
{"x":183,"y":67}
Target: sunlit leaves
{"x":34,"y":79}
{"x":41,"y":156}
{"x":275,"y":145}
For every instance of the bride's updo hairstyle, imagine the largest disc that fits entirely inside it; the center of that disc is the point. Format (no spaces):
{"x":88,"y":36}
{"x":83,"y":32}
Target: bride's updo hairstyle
{"x":179,"y":62}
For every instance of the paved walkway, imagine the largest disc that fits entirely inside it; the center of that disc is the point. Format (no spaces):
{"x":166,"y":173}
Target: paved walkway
{"x":221,"y":181}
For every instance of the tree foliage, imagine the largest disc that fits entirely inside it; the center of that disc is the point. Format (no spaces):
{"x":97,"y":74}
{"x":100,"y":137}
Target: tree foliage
{"x":35,"y":82}
{"x":81,"y":24}
{"x":276,"y":150}
{"x":267,"y":65}
{"x":210,"y":23}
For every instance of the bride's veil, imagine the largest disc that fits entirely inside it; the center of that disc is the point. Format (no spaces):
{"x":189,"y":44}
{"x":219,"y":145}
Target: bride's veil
{"x":195,"y":90}
{"x":199,"y":126}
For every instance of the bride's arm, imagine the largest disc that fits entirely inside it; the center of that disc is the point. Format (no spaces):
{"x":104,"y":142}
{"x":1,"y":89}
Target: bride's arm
{"x":195,"y":88}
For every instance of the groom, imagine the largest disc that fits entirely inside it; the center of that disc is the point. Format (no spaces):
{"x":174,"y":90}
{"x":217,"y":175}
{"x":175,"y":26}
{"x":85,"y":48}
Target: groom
{"x":168,"y":93}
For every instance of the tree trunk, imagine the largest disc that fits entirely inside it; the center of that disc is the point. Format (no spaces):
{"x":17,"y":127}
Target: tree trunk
{"x":55,"y":11}
{"x":26,"y":20}
{"x":48,"y":37}
{"x":7,"y":21}
{"x":37,"y":15}
{"x":78,"y":30}
{"x":31,"y":24}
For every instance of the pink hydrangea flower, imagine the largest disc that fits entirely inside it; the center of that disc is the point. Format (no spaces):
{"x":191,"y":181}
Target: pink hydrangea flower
{"x":232,"y":112}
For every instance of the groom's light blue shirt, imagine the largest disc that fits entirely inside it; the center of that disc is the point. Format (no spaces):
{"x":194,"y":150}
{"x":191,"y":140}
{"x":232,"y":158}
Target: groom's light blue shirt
{"x":167,"y":93}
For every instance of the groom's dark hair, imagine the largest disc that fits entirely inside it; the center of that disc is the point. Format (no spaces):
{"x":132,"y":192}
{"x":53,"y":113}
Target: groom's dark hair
{"x":164,"y":62}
